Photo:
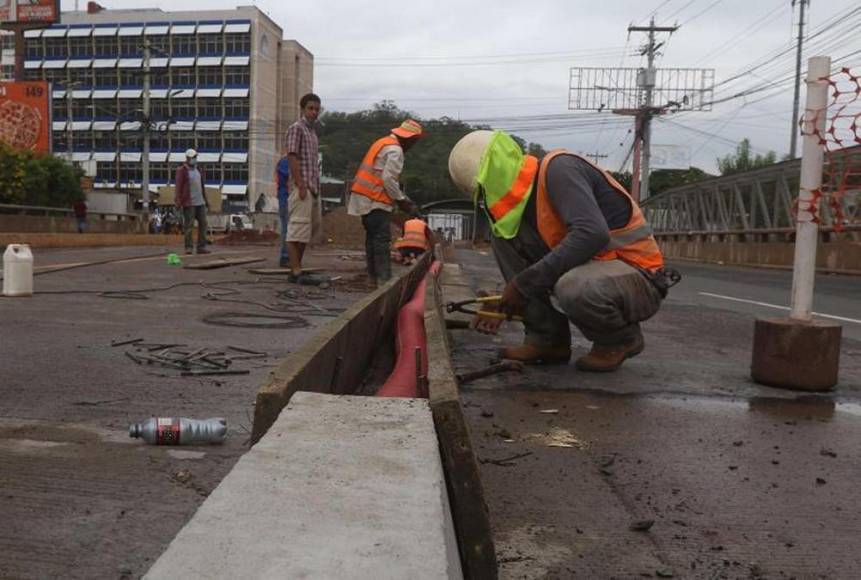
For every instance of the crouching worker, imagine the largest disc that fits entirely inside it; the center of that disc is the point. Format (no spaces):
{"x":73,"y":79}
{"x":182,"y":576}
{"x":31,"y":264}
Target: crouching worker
{"x":416,"y":240}
{"x":572,"y":245}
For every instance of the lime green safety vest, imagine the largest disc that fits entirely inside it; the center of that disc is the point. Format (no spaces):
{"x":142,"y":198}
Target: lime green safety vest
{"x":506,"y":177}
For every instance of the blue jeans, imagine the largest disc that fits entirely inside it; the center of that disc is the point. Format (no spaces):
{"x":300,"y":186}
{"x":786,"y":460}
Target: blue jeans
{"x":282,"y":215}
{"x":378,"y":245}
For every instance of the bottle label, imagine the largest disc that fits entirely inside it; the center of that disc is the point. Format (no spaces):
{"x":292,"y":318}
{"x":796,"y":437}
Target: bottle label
{"x":167,"y":432}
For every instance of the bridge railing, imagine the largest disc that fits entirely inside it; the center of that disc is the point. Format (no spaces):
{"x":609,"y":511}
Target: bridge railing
{"x":759,"y":205}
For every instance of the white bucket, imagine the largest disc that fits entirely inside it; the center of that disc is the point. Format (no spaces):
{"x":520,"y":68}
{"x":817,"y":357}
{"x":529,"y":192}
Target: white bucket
{"x":18,"y":270}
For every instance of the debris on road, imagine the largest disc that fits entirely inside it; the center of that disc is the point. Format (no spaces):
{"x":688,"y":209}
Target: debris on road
{"x":641,"y":525}
{"x":557,"y":437}
{"x":549,"y":411}
{"x":179,"y":431}
{"x":198,"y":362}
{"x":222,"y":263}
{"x":827,"y":452}
{"x":504,"y":366}
{"x":506,"y":461}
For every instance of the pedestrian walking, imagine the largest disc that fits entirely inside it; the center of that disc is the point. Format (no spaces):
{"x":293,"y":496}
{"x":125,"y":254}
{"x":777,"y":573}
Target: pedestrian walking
{"x":376,"y":191}
{"x":191,"y":201}
{"x":304,"y":179}
{"x":563,"y":230}
{"x":80,"y":209}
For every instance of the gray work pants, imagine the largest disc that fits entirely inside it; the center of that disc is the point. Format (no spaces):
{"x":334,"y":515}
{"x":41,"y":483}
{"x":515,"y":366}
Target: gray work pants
{"x":378,"y":244}
{"x":189,"y":214}
{"x":606,"y":301}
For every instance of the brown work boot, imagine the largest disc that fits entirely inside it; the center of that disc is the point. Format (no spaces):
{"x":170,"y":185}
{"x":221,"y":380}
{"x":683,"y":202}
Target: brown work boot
{"x":530,"y":354}
{"x":604,"y":358}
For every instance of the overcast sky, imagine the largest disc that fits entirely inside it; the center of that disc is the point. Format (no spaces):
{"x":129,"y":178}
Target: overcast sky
{"x":507,"y":62}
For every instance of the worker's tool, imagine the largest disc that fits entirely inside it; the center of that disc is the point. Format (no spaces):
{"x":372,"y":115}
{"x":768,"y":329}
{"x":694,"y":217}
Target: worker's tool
{"x":462,"y":307}
{"x":504,"y":366}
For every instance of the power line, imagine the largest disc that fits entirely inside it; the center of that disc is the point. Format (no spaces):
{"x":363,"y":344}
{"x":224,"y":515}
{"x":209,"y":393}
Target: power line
{"x":698,"y":14}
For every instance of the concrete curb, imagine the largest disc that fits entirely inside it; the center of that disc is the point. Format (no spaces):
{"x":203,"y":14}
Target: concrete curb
{"x":88,"y":240}
{"x":340,"y":487}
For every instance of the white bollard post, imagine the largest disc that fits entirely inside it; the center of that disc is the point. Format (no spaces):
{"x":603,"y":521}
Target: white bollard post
{"x":807,"y":231}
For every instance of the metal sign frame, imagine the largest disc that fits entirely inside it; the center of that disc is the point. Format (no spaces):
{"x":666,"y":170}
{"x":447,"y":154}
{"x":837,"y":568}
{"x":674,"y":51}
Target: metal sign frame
{"x":602,"y":88}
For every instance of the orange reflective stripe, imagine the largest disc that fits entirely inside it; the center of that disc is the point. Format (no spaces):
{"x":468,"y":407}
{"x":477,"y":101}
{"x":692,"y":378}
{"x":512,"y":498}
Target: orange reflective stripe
{"x":518,"y":189}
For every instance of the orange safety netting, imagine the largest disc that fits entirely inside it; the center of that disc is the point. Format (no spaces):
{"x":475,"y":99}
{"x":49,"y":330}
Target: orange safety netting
{"x":841,"y":170}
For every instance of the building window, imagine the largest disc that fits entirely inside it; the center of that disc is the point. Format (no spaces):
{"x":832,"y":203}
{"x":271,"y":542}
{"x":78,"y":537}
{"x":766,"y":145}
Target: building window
{"x":182,"y":109}
{"x":160,"y":77}
{"x":130,"y":172}
{"x":107,"y":46}
{"x":131,"y":46}
{"x":82,"y":109}
{"x":209,"y":108}
{"x":58,"y":109}
{"x":59,"y":140}
{"x":105,"y":109}
{"x":182,"y":76}
{"x":32,"y":74}
{"x":160,"y":44}
{"x":183,"y":45}
{"x":129,"y":109}
{"x":236,"y":108}
{"x":55,"y":47}
{"x":160,"y":140}
{"x":56,"y":76}
{"x":82,"y":76}
{"x":80,"y":46}
{"x":236,"y":141}
{"x":209,"y":141}
{"x":237,"y":43}
{"x":82,"y":141}
{"x":237,"y":172}
{"x":106,"y":171}
{"x":130,"y":77}
{"x":105,"y":140}
{"x":159,"y":109}
{"x":237,"y":76}
{"x":181,"y":140}
{"x":35,"y":50}
{"x":106,"y":77}
{"x":159,"y":172}
{"x":210,"y":44}
{"x":209,"y":76}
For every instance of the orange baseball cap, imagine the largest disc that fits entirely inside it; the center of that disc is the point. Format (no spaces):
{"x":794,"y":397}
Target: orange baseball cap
{"x":409,"y":129}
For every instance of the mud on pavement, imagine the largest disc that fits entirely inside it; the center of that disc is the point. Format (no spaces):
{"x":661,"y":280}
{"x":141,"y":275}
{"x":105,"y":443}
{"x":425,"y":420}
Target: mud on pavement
{"x":676,"y":466}
{"x":78,"y":497}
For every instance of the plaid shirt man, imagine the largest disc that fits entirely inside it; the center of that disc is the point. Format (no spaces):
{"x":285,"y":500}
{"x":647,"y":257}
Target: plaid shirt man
{"x":302,"y":141}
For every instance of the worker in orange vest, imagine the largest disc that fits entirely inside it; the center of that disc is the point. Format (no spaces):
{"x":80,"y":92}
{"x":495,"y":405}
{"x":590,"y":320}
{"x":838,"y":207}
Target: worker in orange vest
{"x":376,"y":191}
{"x":572,"y":245}
{"x":416,"y":240}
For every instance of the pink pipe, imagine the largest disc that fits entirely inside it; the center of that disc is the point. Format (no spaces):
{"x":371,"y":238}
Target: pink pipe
{"x":410,"y":336}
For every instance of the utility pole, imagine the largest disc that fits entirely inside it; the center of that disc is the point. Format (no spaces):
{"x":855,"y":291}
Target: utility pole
{"x":147,"y":53}
{"x":793,"y":142}
{"x":646,"y":80}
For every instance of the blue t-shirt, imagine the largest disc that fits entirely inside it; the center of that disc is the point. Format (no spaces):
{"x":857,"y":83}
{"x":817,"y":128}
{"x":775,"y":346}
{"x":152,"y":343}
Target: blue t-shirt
{"x":283,"y":170}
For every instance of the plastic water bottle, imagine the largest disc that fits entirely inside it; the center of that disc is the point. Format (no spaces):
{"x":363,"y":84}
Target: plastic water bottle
{"x":179,"y":431}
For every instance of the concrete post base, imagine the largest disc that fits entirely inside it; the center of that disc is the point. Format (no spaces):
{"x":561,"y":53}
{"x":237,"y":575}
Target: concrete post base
{"x":792,"y":354}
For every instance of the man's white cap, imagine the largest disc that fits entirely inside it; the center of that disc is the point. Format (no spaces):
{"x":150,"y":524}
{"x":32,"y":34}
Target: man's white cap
{"x":190,"y":154}
{"x":465,"y":158}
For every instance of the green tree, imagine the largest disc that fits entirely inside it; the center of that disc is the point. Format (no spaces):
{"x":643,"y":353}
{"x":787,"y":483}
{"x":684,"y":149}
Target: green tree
{"x":744,"y":159}
{"x":664,"y":179}
{"x":30,"y":179}
{"x":345,"y":138}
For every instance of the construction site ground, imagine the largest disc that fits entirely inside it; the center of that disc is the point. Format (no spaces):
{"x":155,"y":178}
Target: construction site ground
{"x":677,"y":465}
{"x":78,"y":497}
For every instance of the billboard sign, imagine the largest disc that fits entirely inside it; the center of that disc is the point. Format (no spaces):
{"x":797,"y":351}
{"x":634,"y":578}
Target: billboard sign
{"x":671,"y":157}
{"x":25,"y":115}
{"x":29,"y":11}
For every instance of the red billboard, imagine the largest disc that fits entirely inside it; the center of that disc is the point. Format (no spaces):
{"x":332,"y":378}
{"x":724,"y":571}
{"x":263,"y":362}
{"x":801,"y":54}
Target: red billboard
{"x":29,"y":11}
{"x":25,"y":115}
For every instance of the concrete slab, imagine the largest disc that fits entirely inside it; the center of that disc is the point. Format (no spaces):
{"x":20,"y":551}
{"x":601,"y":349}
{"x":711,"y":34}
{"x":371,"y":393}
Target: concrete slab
{"x":340,"y":486}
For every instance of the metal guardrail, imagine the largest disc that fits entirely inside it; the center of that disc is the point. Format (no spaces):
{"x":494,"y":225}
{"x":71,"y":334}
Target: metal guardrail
{"x":40,"y":210}
{"x":756,"y":205}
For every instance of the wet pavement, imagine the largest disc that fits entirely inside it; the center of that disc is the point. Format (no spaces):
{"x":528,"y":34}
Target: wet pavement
{"x":676,"y":465}
{"x":78,"y":497}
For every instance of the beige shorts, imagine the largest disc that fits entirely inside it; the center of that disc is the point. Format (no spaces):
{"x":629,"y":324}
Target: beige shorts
{"x":301,"y":216}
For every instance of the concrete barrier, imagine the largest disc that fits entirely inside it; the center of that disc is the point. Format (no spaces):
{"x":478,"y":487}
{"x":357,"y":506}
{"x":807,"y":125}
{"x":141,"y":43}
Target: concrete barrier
{"x":67,"y":225}
{"x":842,"y":257}
{"x":88,"y":240}
{"x":336,"y":359}
{"x":339,"y":487}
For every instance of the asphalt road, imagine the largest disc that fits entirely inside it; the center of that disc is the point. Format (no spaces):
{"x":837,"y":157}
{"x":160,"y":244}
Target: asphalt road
{"x":677,"y":464}
{"x":766,"y":293}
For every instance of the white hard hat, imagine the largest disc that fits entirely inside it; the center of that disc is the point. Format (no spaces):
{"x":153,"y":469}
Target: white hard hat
{"x":190,"y":154}
{"x":465,"y":158}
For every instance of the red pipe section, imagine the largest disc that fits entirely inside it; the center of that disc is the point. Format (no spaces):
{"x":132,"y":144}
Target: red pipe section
{"x":410,"y":346}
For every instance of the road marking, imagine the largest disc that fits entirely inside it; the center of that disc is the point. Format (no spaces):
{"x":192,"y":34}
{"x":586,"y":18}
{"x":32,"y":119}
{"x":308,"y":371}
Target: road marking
{"x":767,"y":305}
